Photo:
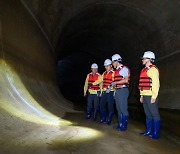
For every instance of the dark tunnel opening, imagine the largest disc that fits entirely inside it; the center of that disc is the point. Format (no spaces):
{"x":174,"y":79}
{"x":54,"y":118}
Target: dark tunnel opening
{"x":95,"y":34}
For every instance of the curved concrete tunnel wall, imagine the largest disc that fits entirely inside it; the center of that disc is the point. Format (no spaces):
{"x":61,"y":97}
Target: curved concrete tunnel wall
{"x":32,"y":30}
{"x":28,"y":81}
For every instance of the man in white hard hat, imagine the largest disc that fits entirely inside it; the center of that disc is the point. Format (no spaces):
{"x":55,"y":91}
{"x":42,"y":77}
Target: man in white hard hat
{"x":93,"y":92}
{"x":121,"y":84}
{"x":107,"y":92}
{"x":149,"y":85}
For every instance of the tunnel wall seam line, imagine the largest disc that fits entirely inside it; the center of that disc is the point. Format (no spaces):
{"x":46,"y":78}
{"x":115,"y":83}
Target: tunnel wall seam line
{"x":169,"y":55}
{"x":1,"y":40}
{"x":38,"y":24}
{"x":164,"y":57}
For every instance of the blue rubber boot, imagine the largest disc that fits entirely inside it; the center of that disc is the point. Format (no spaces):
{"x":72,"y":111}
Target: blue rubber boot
{"x":124,"y":123}
{"x":95,"y":114}
{"x":149,"y":127}
{"x":103,"y":116}
{"x":110,"y":116}
{"x":88,"y":113}
{"x":157,"y":126}
{"x":119,"y":125}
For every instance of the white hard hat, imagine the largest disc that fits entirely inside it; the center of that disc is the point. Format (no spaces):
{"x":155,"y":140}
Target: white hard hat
{"x":149,"y":54}
{"x":94,"y":65}
{"x":116,"y":57}
{"x":107,"y":62}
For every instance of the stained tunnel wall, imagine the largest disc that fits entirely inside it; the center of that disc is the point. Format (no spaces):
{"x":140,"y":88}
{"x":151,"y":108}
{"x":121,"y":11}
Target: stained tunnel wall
{"x":28,"y":80}
{"x":32,"y":33}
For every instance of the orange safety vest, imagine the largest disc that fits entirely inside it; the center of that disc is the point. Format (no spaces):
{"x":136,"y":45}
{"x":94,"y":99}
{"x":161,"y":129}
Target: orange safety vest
{"x":145,"y":81}
{"x":118,"y":77}
{"x":92,"y":78}
{"x":107,"y":79}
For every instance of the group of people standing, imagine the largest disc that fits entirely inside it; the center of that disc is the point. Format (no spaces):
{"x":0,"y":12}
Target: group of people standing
{"x":113,"y":85}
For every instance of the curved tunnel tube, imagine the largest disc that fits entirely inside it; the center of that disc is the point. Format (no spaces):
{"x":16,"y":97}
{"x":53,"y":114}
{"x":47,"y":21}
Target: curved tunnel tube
{"x":79,"y":33}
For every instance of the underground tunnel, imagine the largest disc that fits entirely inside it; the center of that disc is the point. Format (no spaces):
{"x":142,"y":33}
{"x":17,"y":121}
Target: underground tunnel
{"x":46,"y":50}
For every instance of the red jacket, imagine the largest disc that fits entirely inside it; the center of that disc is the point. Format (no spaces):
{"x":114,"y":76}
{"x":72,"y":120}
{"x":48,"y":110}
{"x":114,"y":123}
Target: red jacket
{"x":92,"y":78}
{"x":145,"y":81}
{"x":107,"y":79}
{"x":118,"y":77}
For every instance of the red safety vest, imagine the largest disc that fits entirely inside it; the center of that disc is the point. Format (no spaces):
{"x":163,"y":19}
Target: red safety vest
{"x":118,"y":77}
{"x":107,"y":79}
{"x":145,"y":81}
{"x":92,"y":78}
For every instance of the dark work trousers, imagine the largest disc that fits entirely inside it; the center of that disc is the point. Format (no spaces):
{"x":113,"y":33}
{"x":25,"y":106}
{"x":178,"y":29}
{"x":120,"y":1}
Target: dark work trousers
{"x":151,"y":109}
{"x":107,"y":98}
{"x":121,"y":98}
{"x":93,"y":98}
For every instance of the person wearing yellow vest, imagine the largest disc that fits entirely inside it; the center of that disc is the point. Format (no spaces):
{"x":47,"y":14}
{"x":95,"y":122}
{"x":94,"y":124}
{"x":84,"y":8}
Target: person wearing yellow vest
{"x":107,"y":93}
{"x":93,"y":92}
{"x":121,"y":84}
{"x":149,"y":85}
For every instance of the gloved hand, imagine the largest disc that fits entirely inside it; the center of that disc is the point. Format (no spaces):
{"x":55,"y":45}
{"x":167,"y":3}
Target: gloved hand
{"x":85,"y":94}
{"x":90,"y":85}
{"x":108,"y":90}
{"x":113,"y":84}
{"x":100,"y":94}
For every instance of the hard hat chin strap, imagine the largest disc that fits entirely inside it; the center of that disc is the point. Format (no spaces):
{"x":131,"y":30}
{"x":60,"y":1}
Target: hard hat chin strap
{"x":119,"y":60}
{"x":152,"y":60}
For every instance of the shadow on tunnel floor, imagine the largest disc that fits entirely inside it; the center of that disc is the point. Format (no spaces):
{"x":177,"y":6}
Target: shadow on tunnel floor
{"x":170,"y":122}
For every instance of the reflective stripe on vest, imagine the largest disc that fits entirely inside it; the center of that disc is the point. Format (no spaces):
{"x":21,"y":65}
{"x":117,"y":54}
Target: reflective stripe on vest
{"x":145,"y":81}
{"x":92,"y":78}
{"x":118,"y":77}
{"x":107,"y":79}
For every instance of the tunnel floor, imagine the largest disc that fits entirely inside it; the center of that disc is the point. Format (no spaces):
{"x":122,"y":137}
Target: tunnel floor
{"x":18,"y":136}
